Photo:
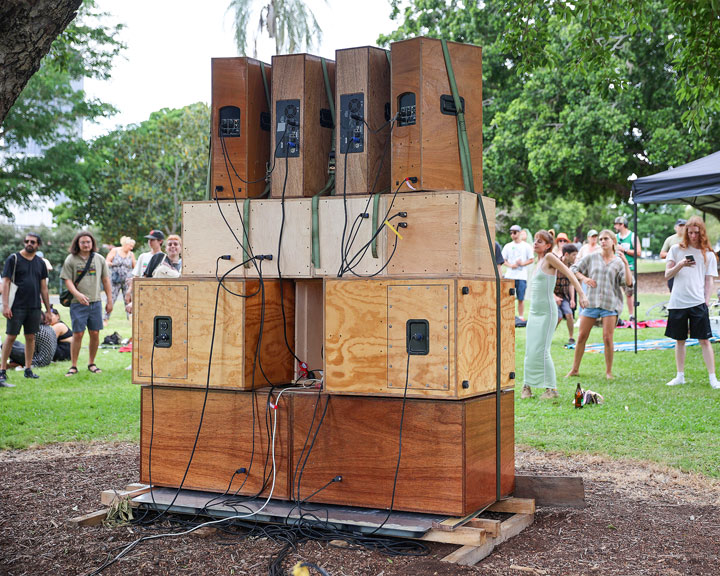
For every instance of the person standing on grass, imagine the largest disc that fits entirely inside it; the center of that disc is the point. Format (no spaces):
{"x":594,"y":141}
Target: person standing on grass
{"x":121,"y":262}
{"x":628,"y":243}
{"x":565,"y":291}
{"x":29,"y":274}
{"x":539,"y":367}
{"x":590,"y":246}
{"x":693,"y":265}
{"x":86,"y":305}
{"x":518,"y":256}
{"x":605,"y":273}
{"x":671,"y":241}
{"x":155,"y":240}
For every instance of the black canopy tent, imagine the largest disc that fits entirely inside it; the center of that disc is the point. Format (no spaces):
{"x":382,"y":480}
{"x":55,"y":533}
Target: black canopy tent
{"x":696,"y":183}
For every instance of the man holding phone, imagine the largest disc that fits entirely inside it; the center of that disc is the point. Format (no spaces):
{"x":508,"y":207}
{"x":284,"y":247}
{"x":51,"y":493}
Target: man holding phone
{"x":693,"y":265}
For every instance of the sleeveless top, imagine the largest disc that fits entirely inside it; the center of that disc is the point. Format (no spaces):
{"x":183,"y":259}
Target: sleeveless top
{"x":120,"y":268}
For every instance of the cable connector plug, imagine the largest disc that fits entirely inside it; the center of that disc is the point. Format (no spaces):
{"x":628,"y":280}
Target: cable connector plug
{"x":402,"y":225}
{"x":337,"y":478}
{"x":364,"y":215}
{"x":402,"y":214}
{"x":226,"y":257}
{"x":242,"y":470}
{"x":264,"y":257}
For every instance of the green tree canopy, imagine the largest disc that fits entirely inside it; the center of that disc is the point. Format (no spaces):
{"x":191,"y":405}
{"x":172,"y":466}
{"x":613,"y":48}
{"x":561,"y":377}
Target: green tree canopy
{"x":560,"y":129}
{"x":135,"y":179}
{"x":50,"y":108}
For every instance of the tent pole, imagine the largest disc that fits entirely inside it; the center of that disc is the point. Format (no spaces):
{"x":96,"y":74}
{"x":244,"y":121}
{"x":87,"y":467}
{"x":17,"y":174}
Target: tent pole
{"x":635,"y":274}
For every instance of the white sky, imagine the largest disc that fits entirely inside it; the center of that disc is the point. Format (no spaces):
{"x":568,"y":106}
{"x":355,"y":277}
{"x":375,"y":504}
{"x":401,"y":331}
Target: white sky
{"x":170,"y":43}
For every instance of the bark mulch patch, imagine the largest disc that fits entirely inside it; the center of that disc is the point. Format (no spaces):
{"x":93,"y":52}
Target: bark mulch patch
{"x":641,"y":519}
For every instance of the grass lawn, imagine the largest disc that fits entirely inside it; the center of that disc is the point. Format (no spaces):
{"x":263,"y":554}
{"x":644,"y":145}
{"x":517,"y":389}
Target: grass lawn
{"x":646,"y":266}
{"x":641,"y":418}
{"x":84,"y":407}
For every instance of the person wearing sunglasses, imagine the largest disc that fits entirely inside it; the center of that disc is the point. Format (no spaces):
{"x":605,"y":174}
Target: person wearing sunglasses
{"x":25,"y":275}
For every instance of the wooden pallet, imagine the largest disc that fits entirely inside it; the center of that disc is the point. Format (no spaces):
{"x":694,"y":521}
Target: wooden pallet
{"x":489,"y":532}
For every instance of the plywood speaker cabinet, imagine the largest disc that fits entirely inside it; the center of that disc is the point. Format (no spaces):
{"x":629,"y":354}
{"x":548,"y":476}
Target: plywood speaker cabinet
{"x":170,"y":418}
{"x":302,"y":125}
{"x":176,"y":315}
{"x":241,"y":126}
{"x":438,"y":335}
{"x":448,"y":463}
{"x":213,"y":229}
{"x":362,"y":102}
{"x":425,"y":137}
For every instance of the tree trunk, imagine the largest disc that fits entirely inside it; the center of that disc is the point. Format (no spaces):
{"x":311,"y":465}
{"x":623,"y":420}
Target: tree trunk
{"x":27,"y":30}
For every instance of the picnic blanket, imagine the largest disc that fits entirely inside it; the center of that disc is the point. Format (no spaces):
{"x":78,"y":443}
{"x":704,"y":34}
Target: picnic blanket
{"x":657,"y":344}
{"x":644,"y":324}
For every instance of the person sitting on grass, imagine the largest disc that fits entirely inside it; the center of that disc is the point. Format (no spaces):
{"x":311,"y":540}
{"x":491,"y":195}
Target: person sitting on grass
{"x":693,"y":266}
{"x":606,"y":273}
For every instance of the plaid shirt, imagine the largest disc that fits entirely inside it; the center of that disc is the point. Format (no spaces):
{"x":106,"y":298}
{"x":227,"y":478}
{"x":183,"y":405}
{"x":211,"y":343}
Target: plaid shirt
{"x":610,"y":280}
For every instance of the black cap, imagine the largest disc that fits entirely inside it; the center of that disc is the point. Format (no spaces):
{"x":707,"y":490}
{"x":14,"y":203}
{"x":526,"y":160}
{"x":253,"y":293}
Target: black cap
{"x":155,"y":235}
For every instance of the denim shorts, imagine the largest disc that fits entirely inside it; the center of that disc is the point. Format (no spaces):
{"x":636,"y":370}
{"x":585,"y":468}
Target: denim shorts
{"x":89,"y":317}
{"x":520,"y":287}
{"x":597,"y":312}
{"x":564,"y":308}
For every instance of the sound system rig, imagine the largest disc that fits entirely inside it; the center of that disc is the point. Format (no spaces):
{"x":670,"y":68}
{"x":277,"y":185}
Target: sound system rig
{"x":342,"y":254}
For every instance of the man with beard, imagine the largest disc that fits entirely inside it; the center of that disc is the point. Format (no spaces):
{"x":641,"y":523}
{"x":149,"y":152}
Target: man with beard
{"x":28,"y":272}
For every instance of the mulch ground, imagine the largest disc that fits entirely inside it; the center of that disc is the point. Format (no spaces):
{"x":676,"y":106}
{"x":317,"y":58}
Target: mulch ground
{"x":641,"y":519}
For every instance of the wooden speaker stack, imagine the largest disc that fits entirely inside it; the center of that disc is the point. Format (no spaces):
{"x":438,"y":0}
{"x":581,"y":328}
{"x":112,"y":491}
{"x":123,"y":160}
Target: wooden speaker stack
{"x":388,"y":300}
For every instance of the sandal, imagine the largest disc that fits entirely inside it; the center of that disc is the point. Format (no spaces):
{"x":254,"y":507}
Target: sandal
{"x":72,"y":371}
{"x":94,"y":369}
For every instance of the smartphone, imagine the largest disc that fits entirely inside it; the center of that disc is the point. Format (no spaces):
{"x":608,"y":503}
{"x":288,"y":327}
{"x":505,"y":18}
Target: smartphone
{"x":690,"y":258}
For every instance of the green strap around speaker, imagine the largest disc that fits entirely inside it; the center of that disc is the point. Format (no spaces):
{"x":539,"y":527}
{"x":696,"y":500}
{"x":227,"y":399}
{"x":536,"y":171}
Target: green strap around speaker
{"x":462,"y":129}
{"x":265,"y":83}
{"x":209,"y":171}
{"x":469,"y":185}
{"x":246,"y":231}
{"x":375,"y":214}
{"x":330,"y":185}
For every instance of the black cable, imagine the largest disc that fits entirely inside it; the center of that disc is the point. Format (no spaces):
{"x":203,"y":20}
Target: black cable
{"x":367,"y":245}
{"x":397,"y":466}
{"x":386,"y":147}
{"x":354,"y":231}
{"x":202,"y":412}
{"x":279,"y":252}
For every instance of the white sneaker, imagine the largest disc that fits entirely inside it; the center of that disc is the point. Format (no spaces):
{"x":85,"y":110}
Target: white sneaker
{"x":714,"y":383}
{"x":676,"y":381}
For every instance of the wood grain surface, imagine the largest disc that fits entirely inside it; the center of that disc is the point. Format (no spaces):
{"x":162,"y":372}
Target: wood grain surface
{"x":266,"y":223}
{"x":365,"y":337}
{"x":429,"y":149}
{"x":364,"y":70}
{"x":171,"y":418}
{"x":476,"y":335}
{"x":191,"y":305}
{"x":309,"y":316}
{"x":448,"y":452}
{"x":337,"y":215}
{"x":300,"y":76}
{"x":238,"y":82}
{"x":211,"y":230}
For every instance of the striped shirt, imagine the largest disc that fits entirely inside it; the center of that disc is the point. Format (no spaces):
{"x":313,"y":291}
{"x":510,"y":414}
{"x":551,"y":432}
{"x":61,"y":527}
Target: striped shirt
{"x":610,"y":279}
